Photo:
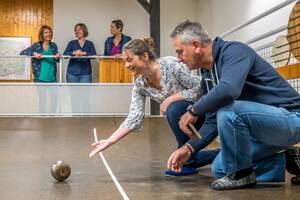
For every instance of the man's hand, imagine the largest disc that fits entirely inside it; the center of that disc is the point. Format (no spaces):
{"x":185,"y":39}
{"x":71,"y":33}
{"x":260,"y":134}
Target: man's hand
{"x":100,"y":146}
{"x":184,"y":121}
{"x":178,"y":158}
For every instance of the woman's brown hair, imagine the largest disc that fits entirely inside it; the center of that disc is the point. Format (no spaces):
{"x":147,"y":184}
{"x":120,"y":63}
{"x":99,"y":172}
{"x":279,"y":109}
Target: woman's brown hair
{"x":119,"y":24}
{"x":139,"y":47}
{"x":41,"y":32}
{"x":83,"y":27}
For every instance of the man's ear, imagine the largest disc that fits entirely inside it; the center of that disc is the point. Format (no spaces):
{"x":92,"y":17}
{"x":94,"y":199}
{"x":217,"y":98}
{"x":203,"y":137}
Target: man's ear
{"x":196,"y":44}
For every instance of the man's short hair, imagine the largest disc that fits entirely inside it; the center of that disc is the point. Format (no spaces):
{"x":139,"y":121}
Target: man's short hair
{"x":188,"y":31}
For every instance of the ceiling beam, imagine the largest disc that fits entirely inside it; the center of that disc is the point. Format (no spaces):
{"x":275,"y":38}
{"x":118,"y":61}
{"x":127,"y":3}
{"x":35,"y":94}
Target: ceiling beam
{"x":153,"y":9}
{"x":145,"y":5}
{"x":155,"y":23}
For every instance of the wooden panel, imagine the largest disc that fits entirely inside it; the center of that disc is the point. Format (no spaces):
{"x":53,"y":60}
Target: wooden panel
{"x":109,"y":71}
{"x":127,"y":75}
{"x":25,"y":17}
{"x":113,"y":71}
{"x":290,"y":71}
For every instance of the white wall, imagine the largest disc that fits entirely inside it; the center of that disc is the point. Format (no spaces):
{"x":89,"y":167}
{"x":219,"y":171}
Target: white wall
{"x":219,"y":16}
{"x":173,"y":12}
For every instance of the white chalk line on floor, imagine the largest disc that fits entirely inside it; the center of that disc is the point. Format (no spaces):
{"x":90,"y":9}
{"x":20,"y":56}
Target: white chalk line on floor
{"x":122,"y":192}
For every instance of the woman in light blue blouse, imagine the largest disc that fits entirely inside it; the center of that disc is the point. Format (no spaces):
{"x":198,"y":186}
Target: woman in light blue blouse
{"x":164,"y":80}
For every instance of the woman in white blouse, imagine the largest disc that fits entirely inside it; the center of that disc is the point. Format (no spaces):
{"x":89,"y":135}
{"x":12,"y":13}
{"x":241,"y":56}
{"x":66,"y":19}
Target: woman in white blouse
{"x":164,"y":80}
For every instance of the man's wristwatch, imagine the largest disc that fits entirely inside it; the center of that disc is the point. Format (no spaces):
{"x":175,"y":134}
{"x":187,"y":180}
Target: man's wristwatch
{"x":190,"y":110}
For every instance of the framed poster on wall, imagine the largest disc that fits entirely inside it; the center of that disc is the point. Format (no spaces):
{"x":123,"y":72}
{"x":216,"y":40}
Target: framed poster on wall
{"x":14,"y":68}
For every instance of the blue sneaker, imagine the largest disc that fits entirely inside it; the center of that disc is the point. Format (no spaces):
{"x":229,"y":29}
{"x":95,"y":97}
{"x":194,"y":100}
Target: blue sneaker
{"x":185,"y":171}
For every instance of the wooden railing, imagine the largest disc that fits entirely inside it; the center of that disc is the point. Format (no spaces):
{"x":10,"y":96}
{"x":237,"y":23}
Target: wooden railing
{"x":112,"y":70}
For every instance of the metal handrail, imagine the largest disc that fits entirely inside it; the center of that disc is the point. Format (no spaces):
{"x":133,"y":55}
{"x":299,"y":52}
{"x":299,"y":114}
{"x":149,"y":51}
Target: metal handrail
{"x":268,"y":34}
{"x":60,"y":63}
{"x":53,"y":56}
{"x":262,"y":15}
{"x":264,"y":46}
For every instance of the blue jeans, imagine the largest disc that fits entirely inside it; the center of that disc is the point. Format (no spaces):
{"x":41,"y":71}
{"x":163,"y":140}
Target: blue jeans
{"x":250,"y":132}
{"x":71,"y":78}
{"x":174,"y":112}
{"x":268,"y":163}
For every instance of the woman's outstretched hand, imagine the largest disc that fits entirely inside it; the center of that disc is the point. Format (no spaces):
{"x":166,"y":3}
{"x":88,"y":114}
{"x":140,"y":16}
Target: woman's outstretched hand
{"x":100,"y":146}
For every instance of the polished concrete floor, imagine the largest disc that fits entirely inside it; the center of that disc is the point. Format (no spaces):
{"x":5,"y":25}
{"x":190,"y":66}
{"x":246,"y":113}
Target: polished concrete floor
{"x":29,"y":146}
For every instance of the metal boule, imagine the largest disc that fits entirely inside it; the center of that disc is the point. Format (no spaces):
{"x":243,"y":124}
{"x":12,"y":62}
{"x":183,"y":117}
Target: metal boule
{"x":60,"y":170}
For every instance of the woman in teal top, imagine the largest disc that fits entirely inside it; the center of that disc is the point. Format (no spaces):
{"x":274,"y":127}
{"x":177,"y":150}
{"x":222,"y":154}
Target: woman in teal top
{"x":44,"y":69}
{"x":47,"y":68}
